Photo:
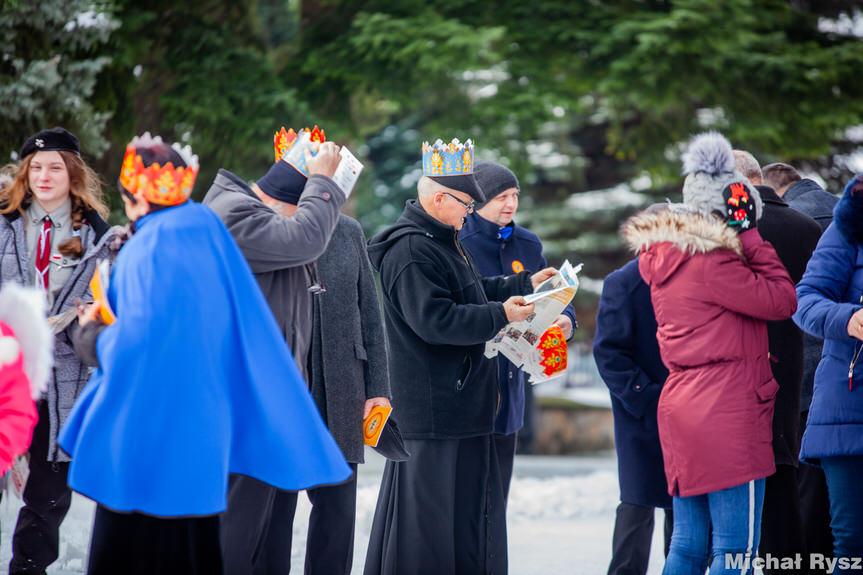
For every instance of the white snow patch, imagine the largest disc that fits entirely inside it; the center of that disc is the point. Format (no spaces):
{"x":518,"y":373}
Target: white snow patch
{"x":614,"y":198}
{"x":844,"y":25}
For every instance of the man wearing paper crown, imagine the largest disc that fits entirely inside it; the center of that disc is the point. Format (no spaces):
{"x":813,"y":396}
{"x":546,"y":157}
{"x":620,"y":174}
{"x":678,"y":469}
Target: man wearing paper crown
{"x":194,"y":383}
{"x":502,"y":248}
{"x":442,"y":510}
{"x":282,"y":223}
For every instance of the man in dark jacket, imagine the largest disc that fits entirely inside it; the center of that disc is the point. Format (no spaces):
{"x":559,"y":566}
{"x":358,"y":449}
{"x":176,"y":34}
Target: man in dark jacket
{"x":627,"y":355}
{"x":280,"y":251}
{"x":806,"y":196}
{"x":502,"y":248}
{"x":794,"y":236}
{"x":442,"y":511}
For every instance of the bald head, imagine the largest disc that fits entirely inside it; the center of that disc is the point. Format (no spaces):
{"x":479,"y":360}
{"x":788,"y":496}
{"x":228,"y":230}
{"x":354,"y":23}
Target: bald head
{"x":747,"y":165}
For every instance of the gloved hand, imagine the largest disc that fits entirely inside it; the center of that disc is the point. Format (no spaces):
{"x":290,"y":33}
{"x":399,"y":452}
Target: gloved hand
{"x":740,"y":212}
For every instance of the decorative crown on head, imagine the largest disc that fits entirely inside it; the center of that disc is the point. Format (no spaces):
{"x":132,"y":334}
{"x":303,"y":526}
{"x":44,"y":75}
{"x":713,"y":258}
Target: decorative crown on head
{"x":453,"y":159}
{"x":283,"y":141}
{"x":163,"y":185}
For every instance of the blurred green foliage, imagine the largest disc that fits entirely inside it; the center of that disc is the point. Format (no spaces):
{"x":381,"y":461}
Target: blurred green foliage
{"x":574,"y":95}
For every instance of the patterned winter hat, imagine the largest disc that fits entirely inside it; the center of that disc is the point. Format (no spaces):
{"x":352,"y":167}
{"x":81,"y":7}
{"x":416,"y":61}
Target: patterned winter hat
{"x":710,"y":168}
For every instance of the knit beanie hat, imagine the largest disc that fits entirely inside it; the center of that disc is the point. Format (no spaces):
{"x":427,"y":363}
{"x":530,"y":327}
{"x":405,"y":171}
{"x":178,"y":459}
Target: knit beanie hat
{"x":494,"y":179}
{"x":710,"y":168}
{"x":283,"y":182}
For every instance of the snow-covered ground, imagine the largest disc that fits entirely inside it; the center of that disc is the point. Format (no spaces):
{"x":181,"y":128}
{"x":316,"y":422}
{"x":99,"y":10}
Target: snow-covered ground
{"x":560,"y":519}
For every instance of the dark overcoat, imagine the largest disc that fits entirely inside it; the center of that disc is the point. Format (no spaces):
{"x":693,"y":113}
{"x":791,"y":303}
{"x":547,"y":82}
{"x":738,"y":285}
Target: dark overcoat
{"x":627,"y":355}
{"x":794,"y":236}
{"x":808,"y":197}
{"x":349,"y":359}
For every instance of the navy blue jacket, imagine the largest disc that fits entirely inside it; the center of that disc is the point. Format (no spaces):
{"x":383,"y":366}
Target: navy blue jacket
{"x":627,"y":355}
{"x":496,"y":257}
{"x":808,"y":197}
{"x":830,"y":292}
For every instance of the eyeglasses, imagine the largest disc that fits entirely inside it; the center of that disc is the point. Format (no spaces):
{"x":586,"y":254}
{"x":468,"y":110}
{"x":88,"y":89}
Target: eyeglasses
{"x":469,"y":206}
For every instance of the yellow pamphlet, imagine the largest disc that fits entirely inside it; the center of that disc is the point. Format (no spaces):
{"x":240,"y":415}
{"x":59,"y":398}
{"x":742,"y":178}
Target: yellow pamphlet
{"x":374,"y":424}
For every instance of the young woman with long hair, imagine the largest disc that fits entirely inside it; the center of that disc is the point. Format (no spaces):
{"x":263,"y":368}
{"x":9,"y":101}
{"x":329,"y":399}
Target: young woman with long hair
{"x":52,"y":234}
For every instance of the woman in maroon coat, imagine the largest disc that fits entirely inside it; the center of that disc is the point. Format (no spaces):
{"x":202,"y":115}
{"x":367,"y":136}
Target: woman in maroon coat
{"x":714,"y":282}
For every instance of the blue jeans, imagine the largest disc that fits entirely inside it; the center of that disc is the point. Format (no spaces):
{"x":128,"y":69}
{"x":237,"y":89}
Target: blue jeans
{"x":846,"y":506}
{"x":733,"y":515}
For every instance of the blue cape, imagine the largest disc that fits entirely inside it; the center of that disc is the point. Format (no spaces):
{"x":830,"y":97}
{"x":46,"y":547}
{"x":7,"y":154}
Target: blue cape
{"x":196,"y":381}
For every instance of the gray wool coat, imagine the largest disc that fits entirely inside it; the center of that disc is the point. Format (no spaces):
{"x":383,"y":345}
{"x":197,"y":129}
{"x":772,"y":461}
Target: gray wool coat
{"x":69,"y":374}
{"x":349,"y":358}
{"x":277,"y":248}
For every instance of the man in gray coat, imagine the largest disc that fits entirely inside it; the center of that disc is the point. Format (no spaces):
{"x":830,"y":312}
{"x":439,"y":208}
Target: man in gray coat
{"x":281,"y":252}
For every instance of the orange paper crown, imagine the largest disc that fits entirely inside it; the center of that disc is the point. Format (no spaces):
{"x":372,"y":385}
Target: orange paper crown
{"x":283,"y":140}
{"x":163,"y":185}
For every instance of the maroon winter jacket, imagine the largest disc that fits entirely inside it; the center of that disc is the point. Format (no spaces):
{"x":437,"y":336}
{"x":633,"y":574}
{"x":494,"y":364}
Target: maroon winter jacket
{"x":712,"y":291}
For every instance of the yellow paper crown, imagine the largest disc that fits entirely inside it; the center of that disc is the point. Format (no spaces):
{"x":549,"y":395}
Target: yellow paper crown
{"x":163,"y":185}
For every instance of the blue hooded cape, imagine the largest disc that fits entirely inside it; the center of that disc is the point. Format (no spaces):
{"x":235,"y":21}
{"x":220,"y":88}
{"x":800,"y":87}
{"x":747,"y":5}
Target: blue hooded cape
{"x":196,"y":381}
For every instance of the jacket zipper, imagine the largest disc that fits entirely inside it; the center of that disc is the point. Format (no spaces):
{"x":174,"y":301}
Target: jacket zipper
{"x":854,"y":358}
{"x":472,"y":271}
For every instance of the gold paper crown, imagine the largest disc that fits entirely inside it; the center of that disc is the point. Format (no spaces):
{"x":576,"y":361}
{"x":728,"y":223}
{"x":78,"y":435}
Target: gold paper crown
{"x":283,"y":140}
{"x":453,"y":159}
{"x":163,"y":185}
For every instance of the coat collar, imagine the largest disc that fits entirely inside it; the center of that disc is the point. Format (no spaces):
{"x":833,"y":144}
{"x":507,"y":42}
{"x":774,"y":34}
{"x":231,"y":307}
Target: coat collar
{"x":769,"y":195}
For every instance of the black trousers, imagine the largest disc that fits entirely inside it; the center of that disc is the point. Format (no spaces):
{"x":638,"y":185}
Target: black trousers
{"x":441,"y":512}
{"x":257,"y":528}
{"x":814,"y":505}
{"x":36,"y":541}
{"x":505,"y":447}
{"x":781,"y":523}
{"x":633,"y":532}
{"x":137,"y":544}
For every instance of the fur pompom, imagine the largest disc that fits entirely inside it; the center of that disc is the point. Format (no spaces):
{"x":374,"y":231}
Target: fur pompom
{"x":709,"y":153}
{"x":23,"y":310}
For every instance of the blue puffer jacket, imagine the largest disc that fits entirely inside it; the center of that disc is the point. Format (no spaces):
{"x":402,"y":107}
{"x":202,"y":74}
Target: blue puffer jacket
{"x":830,"y":292}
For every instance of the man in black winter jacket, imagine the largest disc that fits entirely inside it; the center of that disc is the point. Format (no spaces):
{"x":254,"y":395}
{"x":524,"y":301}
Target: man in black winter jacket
{"x":442,"y":511}
{"x":794,"y":236}
{"x":805,"y":195}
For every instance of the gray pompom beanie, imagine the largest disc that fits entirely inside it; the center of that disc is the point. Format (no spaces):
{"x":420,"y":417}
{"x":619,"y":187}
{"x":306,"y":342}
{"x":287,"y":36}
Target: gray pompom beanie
{"x":710,"y":168}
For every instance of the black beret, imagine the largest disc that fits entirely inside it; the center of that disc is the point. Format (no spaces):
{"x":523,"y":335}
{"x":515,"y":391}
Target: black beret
{"x":53,"y":140}
{"x":462,"y":183}
{"x":283,"y":182}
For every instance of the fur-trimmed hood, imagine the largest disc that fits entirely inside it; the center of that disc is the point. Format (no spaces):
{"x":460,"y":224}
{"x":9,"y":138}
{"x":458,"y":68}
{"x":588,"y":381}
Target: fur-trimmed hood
{"x":688,"y":231}
{"x":691,"y":230}
{"x":848,"y":213}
